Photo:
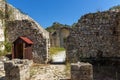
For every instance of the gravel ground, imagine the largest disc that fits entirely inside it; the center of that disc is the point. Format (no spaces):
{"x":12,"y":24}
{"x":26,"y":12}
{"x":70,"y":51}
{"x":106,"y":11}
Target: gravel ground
{"x":45,"y":71}
{"x":50,"y":72}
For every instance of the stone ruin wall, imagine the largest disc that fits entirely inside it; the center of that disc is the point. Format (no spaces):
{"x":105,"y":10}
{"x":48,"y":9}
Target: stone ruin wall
{"x":57,"y":38}
{"x":2,"y":38}
{"x":28,"y":28}
{"x":81,"y":71}
{"x":17,"y":69}
{"x":95,"y":35}
{"x":18,"y":24}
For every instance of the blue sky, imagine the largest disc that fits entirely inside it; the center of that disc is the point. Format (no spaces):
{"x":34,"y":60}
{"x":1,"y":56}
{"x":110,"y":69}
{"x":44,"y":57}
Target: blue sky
{"x":45,"y":12}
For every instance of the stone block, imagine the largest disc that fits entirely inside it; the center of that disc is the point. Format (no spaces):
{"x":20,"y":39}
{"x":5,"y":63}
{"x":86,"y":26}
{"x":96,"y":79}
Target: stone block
{"x":81,"y":71}
{"x":17,"y":69}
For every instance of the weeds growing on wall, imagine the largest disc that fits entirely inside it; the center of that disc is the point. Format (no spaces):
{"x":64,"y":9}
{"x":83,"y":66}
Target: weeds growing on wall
{"x":7,"y":49}
{"x":4,"y":17}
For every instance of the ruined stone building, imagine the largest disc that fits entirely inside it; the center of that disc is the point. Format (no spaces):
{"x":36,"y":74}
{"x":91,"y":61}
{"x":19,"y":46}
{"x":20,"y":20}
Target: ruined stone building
{"x":58,"y":38}
{"x":18,"y":24}
{"x":2,"y":47}
{"x":1,"y":27}
{"x":95,"y":35}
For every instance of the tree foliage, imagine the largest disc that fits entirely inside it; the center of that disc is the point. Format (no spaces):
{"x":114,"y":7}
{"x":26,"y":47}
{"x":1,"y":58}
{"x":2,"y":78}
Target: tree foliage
{"x":115,"y":7}
{"x":55,"y":26}
{"x":74,"y":25}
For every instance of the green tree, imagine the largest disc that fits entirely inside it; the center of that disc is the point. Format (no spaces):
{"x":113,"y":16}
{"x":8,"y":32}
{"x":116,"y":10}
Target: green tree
{"x":74,"y":25}
{"x":57,"y":25}
{"x":115,"y":7}
{"x":54,"y":26}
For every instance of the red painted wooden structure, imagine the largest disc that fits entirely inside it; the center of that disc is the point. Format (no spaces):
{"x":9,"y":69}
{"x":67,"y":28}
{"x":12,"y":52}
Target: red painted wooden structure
{"x":22,"y":48}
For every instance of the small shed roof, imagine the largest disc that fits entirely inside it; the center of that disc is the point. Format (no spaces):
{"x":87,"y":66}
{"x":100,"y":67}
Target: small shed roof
{"x":27,"y":40}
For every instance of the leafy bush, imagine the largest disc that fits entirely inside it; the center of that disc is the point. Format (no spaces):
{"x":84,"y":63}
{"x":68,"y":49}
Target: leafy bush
{"x":8,"y":46}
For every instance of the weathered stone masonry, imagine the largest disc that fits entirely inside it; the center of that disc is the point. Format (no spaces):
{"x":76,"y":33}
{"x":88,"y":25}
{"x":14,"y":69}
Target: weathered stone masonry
{"x":96,"y":35}
{"x":18,"y":24}
{"x":2,"y":47}
{"x":28,"y":28}
{"x":57,"y":38}
{"x":17,"y":69}
{"x":81,"y":71}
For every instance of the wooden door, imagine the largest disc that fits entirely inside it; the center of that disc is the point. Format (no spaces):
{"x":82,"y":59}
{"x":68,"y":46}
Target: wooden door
{"x":28,"y":53}
{"x":19,"y":51}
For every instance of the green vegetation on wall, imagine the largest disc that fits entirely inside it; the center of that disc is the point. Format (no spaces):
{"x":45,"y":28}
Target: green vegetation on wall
{"x":5,"y":16}
{"x":1,"y":14}
{"x":8,"y":46}
{"x":6,"y":43}
{"x":7,"y":49}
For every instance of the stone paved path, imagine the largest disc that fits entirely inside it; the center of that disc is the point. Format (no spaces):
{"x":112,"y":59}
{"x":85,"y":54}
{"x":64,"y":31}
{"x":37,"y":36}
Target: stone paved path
{"x":50,"y":72}
{"x":44,"y":71}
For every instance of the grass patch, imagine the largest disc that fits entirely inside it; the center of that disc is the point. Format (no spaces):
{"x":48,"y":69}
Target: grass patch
{"x":54,"y":50}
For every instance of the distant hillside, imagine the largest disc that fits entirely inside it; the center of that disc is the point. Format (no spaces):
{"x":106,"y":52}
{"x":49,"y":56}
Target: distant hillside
{"x":115,"y":8}
{"x":56,"y":26}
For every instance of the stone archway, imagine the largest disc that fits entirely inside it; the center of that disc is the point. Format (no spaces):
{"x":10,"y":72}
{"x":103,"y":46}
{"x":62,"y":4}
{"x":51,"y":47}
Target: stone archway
{"x":58,"y":40}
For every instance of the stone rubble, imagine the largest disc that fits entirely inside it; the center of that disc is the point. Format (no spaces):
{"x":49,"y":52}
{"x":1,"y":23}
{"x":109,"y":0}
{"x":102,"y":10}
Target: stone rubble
{"x":2,"y":71}
{"x":17,"y":69}
{"x":50,"y":72}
